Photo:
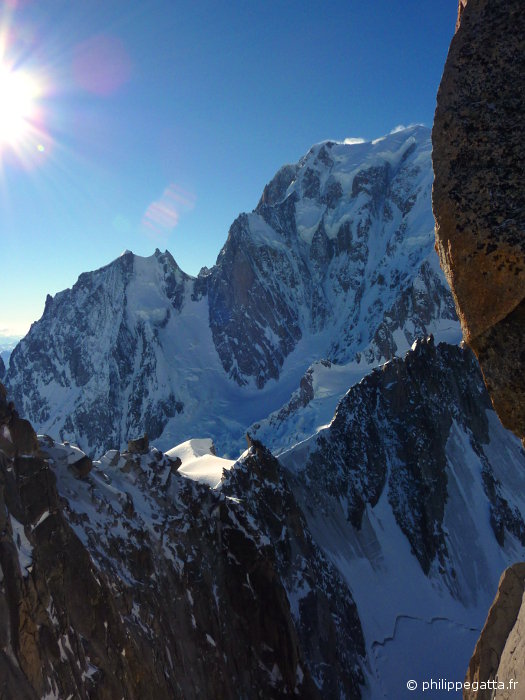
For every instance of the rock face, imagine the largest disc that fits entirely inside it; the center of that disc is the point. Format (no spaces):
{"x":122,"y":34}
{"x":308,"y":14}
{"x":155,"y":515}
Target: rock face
{"x":131,"y":580}
{"x":2,"y":368}
{"x":62,"y":634}
{"x":337,"y":259}
{"x":500,"y":651}
{"x":138,"y":576}
{"x":478,"y":197}
{"x":139,"y":445}
{"x":412,"y":476}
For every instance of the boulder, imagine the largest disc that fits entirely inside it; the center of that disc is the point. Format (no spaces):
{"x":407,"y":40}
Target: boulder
{"x":81,"y":467}
{"x":22,"y":435}
{"x":175,"y":463}
{"x":478,"y":194}
{"x":138,"y":445}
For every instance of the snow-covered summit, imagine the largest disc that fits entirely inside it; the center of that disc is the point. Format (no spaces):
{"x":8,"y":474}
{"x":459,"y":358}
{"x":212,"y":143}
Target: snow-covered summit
{"x":335,"y":262}
{"x":332,"y":245}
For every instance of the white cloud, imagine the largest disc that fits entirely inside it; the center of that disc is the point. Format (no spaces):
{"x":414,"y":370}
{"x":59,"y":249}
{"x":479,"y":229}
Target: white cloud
{"x":402,"y":127}
{"x":351,"y":140}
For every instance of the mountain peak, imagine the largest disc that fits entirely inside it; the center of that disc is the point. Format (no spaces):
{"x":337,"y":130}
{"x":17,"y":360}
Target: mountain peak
{"x":335,"y":262}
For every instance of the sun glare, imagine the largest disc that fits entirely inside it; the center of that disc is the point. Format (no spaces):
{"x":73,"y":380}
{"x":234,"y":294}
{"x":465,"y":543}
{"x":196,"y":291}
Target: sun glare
{"x":18,"y":94}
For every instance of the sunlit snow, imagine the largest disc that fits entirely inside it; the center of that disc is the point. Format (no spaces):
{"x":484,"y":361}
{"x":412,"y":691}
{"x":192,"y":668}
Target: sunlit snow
{"x":199,"y":462}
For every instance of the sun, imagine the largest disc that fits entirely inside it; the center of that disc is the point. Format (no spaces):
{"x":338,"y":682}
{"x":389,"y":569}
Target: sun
{"x":18,"y":99}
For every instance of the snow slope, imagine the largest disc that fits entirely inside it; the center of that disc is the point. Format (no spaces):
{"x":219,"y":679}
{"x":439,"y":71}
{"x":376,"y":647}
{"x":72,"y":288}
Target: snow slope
{"x":415,"y":492}
{"x":335,"y":262}
{"x":199,"y":462}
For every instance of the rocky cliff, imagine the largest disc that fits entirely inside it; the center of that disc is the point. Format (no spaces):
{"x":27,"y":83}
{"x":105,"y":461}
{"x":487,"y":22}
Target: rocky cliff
{"x":479,"y":204}
{"x":126,"y":578}
{"x":478,"y":196}
{"x":415,"y":492}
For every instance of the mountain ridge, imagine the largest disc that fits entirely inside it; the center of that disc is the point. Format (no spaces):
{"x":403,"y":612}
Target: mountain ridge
{"x":413,"y":474}
{"x":384,"y":532}
{"x":317,"y":270}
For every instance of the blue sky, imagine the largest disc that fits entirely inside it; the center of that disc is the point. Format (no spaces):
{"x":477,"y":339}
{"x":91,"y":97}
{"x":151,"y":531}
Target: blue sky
{"x":158,"y":122}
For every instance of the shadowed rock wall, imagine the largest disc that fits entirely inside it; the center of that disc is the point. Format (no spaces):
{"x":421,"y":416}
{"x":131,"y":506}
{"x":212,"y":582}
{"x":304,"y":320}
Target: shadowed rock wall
{"x":142,"y":584}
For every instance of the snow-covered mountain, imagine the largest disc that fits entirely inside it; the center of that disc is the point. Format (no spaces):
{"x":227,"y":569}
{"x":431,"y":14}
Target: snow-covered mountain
{"x":363,"y":557}
{"x":336,"y":263}
{"x":415,"y":492}
{"x":311,"y":406}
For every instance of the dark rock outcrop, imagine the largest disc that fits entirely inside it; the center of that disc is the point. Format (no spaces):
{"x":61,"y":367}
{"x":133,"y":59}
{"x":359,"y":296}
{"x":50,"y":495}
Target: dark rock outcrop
{"x":62,"y":634}
{"x":478,"y":196}
{"x":134,"y":581}
{"x":139,"y":445}
{"x":497,"y":662}
{"x":82,"y":467}
{"x":325,"y":616}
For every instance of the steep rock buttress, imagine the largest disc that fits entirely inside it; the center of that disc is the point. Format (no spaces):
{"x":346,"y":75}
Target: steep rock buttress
{"x":478,"y":195}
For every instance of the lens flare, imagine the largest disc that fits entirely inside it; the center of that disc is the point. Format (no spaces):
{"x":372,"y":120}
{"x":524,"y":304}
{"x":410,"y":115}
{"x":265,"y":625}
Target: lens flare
{"x":162,"y":215}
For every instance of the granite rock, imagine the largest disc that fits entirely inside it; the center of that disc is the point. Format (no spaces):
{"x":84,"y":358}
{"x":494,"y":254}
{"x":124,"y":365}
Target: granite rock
{"x":498,"y":656}
{"x":478,"y":195}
